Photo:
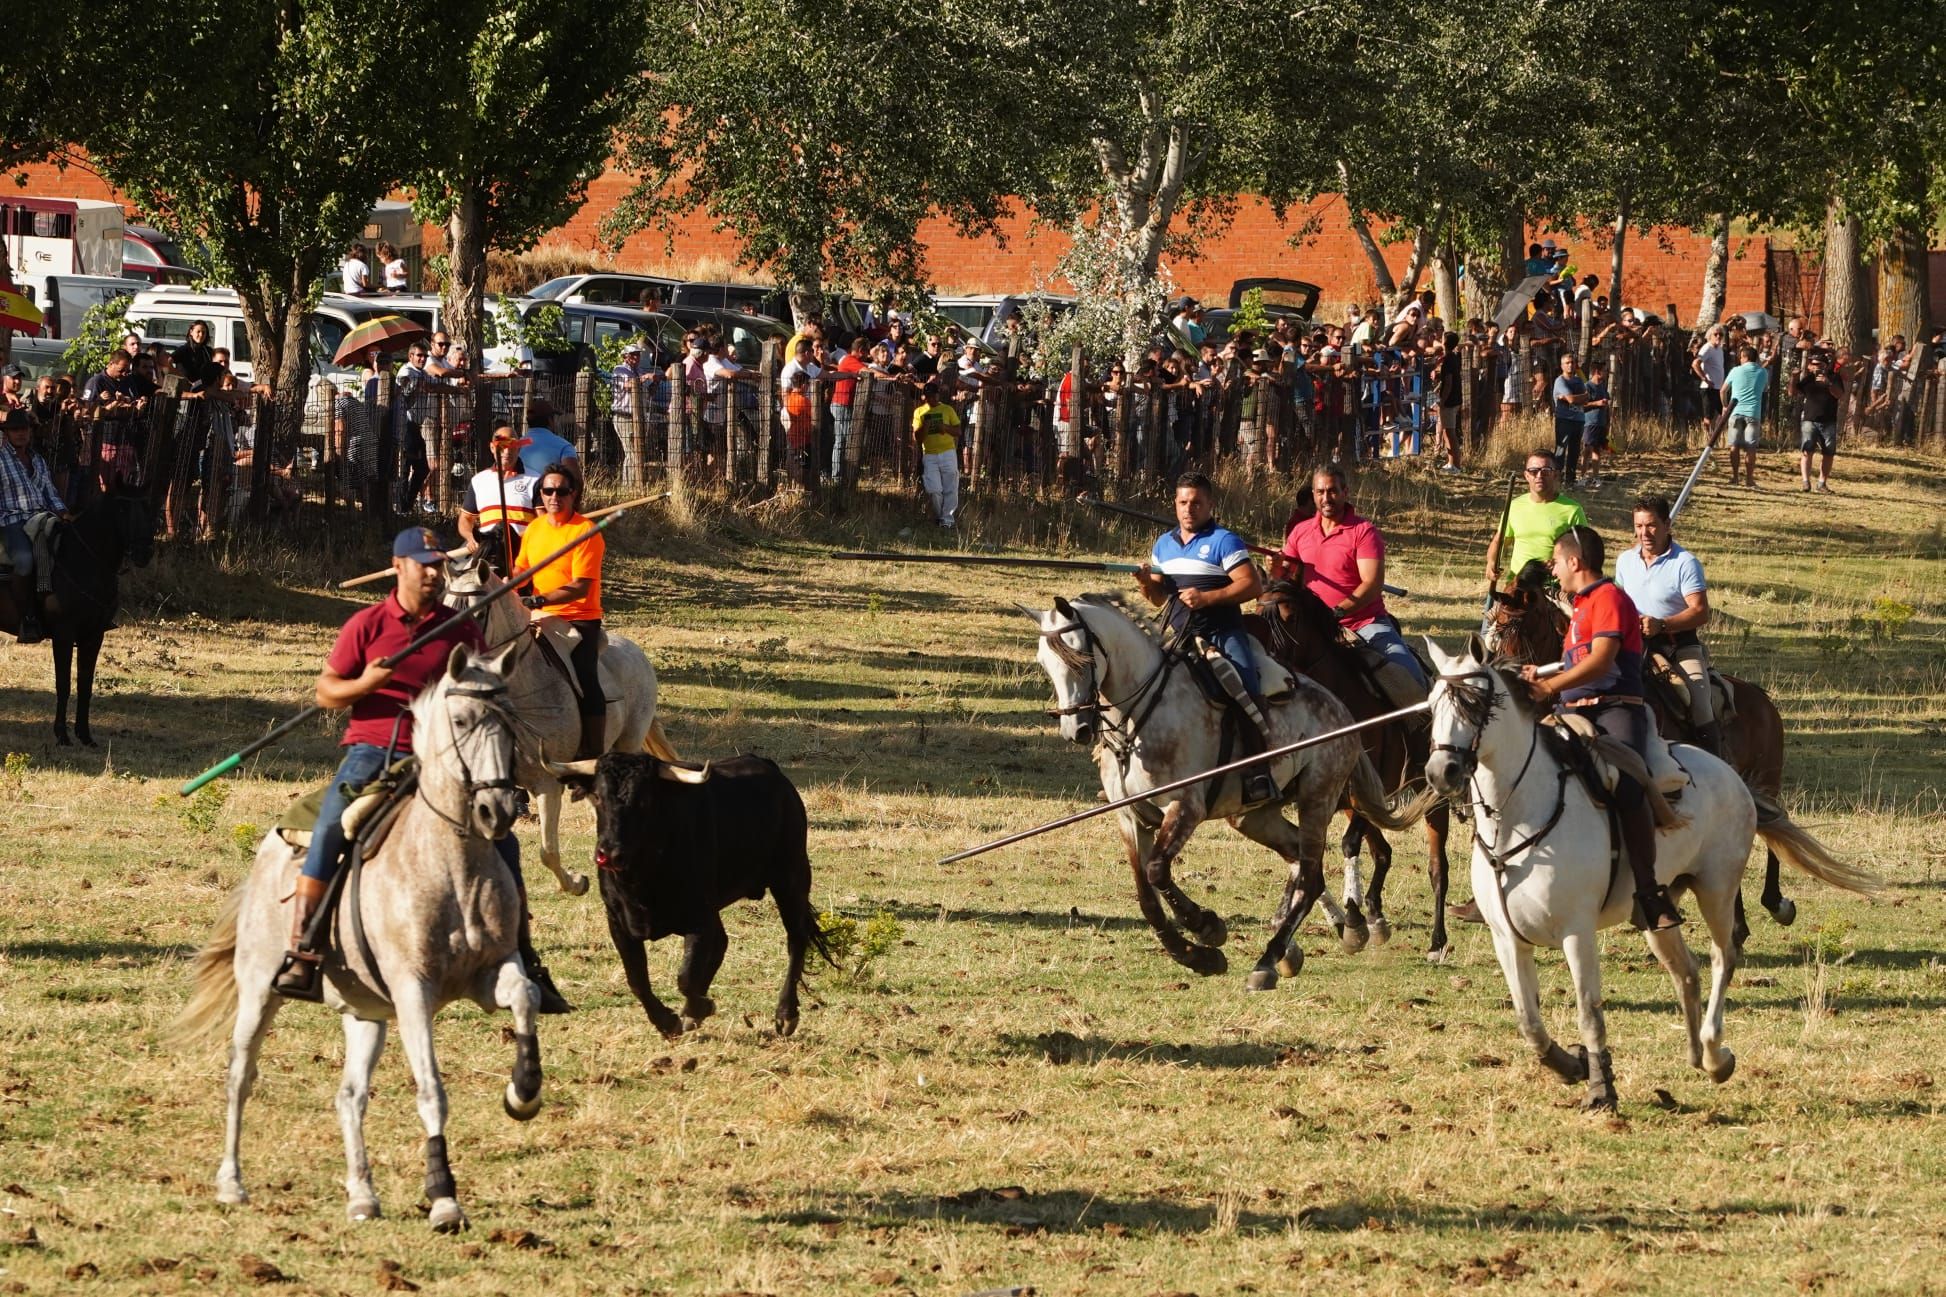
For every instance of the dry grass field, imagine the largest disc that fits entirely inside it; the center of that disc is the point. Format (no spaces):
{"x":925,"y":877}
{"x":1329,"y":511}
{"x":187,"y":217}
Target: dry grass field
{"x":1019,"y":1090}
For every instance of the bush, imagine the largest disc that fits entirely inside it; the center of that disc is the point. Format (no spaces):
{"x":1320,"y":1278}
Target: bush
{"x":855,"y":948}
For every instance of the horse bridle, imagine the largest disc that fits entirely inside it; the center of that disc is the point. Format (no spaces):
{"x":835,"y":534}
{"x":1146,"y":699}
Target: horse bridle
{"x":1470,"y":756}
{"x":490,"y":699}
{"x":1094,"y":703}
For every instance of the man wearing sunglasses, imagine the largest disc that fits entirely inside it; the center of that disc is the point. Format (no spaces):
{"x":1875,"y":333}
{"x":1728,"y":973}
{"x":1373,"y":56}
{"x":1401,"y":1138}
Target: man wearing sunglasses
{"x":571,"y":590}
{"x":1535,"y":520}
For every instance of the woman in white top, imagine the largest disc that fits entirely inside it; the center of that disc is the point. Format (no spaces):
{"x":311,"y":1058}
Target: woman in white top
{"x":391,"y":268}
{"x":357,"y":270}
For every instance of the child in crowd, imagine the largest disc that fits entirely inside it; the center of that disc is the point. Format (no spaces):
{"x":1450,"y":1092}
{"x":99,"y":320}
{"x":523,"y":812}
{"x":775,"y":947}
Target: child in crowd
{"x":1594,"y":422}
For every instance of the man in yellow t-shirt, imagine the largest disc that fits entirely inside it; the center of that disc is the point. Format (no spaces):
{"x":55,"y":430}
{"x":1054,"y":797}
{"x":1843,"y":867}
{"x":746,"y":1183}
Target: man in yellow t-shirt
{"x":1534,"y":521}
{"x":570,"y":589}
{"x":936,"y":425}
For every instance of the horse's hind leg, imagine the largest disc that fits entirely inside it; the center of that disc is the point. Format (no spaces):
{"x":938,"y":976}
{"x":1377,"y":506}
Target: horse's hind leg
{"x":413,"y":1004}
{"x":1352,"y":929}
{"x":1782,"y":908}
{"x":1718,"y":1062}
{"x":364,"y":1040}
{"x":87,"y":653}
{"x":256,"y":1006}
{"x":1375,"y":894}
{"x":550,"y":798}
{"x":1672,"y":952}
{"x":1583,"y":954}
{"x":1302,"y":847}
{"x":63,"y":649}
{"x":702,"y":955}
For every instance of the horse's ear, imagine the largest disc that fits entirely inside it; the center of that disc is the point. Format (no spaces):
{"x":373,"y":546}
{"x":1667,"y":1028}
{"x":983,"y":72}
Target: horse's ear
{"x":1502,"y":598}
{"x":1032,"y":613}
{"x":1062,"y":606}
{"x":503,"y":662}
{"x":1476,"y":647}
{"x":456,"y":660}
{"x":1437,"y":654}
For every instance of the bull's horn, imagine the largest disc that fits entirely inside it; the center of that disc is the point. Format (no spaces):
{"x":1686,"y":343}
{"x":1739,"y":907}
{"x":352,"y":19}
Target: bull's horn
{"x":682,"y":774}
{"x":570,"y":769}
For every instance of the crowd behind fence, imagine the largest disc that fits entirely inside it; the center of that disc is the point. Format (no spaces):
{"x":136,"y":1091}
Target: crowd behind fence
{"x":364,"y":451}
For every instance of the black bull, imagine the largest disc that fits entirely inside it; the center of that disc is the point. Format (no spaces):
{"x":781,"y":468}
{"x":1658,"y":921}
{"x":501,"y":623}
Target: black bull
{"x":675,"y":845}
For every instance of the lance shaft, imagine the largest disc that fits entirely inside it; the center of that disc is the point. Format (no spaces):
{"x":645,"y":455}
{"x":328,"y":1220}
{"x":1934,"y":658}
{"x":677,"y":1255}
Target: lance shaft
{"x":1696,"y":473}
{"x":432,"y":633}
{"x":508,"y":532}
{"x":1161,"y":521}
{"x":1184,"y":782}
{"x":990,"y":560}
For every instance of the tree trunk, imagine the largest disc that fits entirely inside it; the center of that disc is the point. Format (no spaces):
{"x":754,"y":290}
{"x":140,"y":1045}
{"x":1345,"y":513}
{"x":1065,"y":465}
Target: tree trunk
{"x":1716,"y":272}
{"x":1445,"y":283}
{"x":1415,"y":266}
{"x":1615,"y":259}
{"x":807,"y":303}
{"x":1902,"y":283}
{"x":1144,"y":192}
{"x":466,"y":259}
{"x":278,"y":323}
{"x":1846,"y":306}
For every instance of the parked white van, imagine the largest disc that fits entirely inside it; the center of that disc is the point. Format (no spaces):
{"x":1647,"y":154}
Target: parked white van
{"x":165,"y":314}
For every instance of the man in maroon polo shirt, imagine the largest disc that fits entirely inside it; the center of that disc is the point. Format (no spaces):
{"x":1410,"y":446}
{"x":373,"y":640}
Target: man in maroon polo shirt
{"x":1341,"y":560}
{"x":380,"y":699}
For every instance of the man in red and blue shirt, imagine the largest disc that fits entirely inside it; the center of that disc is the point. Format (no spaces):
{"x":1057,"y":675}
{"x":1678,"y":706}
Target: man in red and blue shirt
{"x":1601,"y":676}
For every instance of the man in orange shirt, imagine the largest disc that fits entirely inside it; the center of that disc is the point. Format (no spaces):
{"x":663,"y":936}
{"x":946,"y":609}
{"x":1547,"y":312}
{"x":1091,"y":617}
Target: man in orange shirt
{"x":570,"y":590}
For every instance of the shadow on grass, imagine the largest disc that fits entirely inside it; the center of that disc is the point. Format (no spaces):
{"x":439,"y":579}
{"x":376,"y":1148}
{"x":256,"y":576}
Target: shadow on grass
{"x":1042,"y":919}
{"x":88,"y":952}
{"x":1063,"y":1048}
{"x":160,"y":735}
{"x":1087,"y":1211}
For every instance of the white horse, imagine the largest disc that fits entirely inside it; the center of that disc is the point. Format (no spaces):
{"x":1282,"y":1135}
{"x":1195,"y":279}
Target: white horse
{"x":1115,"y":683}
{"x":548,"y":720}
{"x":1542,"y":870}
{"x":437,"y":919}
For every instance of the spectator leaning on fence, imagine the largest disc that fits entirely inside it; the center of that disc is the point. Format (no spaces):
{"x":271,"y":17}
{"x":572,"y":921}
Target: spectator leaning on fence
{"x":117,"y":408}
{"x":1743,"y":393}
{"x":936,"y":426}
{"x":800,"y":430}
{"x":843,"y":400}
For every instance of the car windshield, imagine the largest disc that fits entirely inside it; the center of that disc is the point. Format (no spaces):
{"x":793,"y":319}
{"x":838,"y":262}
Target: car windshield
{"x":554,"y":287}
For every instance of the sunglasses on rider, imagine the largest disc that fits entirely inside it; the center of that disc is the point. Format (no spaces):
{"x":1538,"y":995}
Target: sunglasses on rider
{"x":557,"y":490}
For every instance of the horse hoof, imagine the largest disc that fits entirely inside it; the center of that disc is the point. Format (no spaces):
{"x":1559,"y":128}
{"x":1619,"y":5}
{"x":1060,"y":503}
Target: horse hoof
{"x":1441,"y":955}
{"x":1601,"y":1099}
{"x":518,"y":1110}
{"x":1354,"y":937}
{"x":446,"y":1217}
{"x":61,"y":739}
{"x":1381,"y":931}
{"x":1213,"y":932}
{"x":1206,"y":960}
{"x":575,"y":884}
{"x":787,"y":1026}
{"x":363,"y":1209}
{"x":1785,"y":911}
{"x":231,"y":1195}
{"x":1261,"y":979}
{"x":1291,"y":963}
{"x":87,"y":740}
{"x":1725,"y":1068}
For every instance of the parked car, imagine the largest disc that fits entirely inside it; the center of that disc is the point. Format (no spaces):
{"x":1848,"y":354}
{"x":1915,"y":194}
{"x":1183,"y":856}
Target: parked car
{"x":149,"y":254}
{"x":970,"y":315}
{"x":587,"y":328}
{"x":747,"y":333}
{"x":66,"y":299}
{"x":607,"y":289}
{"x":1291,"y":297}
{"x":40,"y":356}
{"x":165,"y":314}
{"x":751,"y":299}
{"x":995,"y":334}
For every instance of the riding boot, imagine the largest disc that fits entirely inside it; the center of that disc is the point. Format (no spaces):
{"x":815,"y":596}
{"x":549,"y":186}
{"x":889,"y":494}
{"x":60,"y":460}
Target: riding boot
{"x":298,"y":978}
{"x":29,"y":606}
{"x":1709,"y":737}
{"x":593,"y":736}
{"x":551,"y":999}
{"x":1655,"y":908}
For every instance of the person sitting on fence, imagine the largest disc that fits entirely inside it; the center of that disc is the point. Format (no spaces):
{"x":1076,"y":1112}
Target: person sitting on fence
{"x":1535,"y":520}
{"x":1595,"y":403}
{"x":499,"y":501}
{"x":545,"y":446}
{"x":1743,"y":393}
{"x":26,"y":491}
{"x":1340,"y":558}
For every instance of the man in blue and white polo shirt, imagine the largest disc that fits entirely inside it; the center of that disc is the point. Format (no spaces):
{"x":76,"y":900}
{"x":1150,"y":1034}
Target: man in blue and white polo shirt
{"x":1209,"y":572}
{"x":1665,"y":583}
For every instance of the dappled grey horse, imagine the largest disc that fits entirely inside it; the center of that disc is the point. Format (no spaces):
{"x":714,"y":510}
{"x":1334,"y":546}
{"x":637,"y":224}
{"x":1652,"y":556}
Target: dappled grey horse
{"x":437,"y":920}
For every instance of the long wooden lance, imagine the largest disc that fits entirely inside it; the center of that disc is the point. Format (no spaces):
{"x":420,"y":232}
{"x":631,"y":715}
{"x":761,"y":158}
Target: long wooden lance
{"x":1161,"y":521}
{"x":1513,"y":485}
{"x":1696,"y":473}
{"x":514,"y":582}
{"x":461,"y":552}
{"x":989,"y":560}
{"x":1172,"y":785}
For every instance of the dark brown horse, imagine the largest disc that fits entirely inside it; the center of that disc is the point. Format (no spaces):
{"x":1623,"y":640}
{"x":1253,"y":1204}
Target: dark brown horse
{"x":1304,"y":635}
{"x":1526,"y":626}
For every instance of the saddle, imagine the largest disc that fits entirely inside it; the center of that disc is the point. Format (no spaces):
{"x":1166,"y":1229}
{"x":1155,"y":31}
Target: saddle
{"x":558,"y":639}
{"x":1392,"y":682}
{"x":1662,"y":777}
{"x":1666,"y":676}
{"x":40,"y":531}
{"x":373,"y":807}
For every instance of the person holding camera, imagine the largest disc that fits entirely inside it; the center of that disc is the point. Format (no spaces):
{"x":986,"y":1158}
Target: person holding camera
{"x":1818,"y":389}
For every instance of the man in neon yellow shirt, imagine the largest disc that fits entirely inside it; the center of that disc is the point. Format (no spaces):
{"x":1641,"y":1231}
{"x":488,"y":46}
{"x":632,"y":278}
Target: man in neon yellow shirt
{"x":936,"y":425}
{"x":1534,"y":521}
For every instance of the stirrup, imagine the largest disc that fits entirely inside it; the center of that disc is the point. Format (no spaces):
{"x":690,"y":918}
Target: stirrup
{"x":552,"y":1001}
{"x":1258,"y":787}
{"x":1656,"y":911}
{"x":298,"y":977}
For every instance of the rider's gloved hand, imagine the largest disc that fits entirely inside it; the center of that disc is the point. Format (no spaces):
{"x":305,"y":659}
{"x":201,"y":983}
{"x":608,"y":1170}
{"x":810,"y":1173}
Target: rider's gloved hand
{"x":534,"y":601}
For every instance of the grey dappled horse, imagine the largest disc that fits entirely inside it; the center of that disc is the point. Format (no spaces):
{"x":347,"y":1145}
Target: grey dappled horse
{"x":441,"y":918}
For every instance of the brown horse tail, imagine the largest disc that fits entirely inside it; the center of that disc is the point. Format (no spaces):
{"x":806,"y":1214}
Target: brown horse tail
{"x":1368,"y":798}
{"x":657,"y":743}
{"x":1794,"y":843}
{"x":213,"y":1004}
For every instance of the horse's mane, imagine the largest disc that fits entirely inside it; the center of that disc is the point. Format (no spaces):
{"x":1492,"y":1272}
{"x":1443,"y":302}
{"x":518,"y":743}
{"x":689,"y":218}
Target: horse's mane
{"x":1306,"y":609}
{"x":1144,"y":618}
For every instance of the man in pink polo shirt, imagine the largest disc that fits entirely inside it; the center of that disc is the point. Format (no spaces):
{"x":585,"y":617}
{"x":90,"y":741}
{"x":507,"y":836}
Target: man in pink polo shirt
{"x":1341,"y":560}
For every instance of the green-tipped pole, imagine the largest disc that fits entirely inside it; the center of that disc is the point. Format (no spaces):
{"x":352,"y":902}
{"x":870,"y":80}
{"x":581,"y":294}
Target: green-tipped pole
{"x":518,"y":579}
{"x":988,"y":560}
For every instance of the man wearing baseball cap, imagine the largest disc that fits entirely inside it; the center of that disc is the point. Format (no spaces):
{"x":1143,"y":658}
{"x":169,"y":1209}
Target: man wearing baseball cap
{"x":499,"y":501}
{"x":380,"y":700}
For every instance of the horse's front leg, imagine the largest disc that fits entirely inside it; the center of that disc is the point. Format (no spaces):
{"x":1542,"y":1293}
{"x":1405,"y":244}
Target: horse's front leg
{"x":549,"y":793}
{"x":1439,"y":822}
{"x":1138,"y":840}
{"x":364,"y":1040}
{"x":62,"y":647}
{"x":516,"y":993}
{"x":87,"y":653}
{"x":413,"y":1004}
{"x":1178,"y":822}
{"x":1583,"y":954}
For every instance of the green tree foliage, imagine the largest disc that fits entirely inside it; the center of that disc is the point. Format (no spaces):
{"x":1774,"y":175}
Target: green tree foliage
{"x":513,"y":152}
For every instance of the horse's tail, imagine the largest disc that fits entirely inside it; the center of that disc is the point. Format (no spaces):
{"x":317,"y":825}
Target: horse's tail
{"x":1390,"y":815}
{"x":1794,"y":843}
{"x":213,"y":1003}
{"x":657,"y":743}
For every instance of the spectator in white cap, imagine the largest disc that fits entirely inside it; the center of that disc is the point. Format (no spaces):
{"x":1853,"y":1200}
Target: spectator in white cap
{"x":625,"y":388}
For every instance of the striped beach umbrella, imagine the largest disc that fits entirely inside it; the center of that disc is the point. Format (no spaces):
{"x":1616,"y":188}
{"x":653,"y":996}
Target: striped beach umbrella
{"x":387,"y":331}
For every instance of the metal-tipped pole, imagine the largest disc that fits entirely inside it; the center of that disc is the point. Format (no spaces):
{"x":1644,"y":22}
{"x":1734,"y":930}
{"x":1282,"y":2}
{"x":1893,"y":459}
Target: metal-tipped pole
{"x":1174,"y":784}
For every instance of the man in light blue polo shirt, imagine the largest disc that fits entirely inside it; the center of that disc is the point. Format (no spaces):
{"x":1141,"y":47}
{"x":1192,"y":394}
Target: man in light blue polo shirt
{"x":1208,"y":570}
{"x":544,"y":445}
{"x":1665,"y":583}
{"x":1743,"y":394}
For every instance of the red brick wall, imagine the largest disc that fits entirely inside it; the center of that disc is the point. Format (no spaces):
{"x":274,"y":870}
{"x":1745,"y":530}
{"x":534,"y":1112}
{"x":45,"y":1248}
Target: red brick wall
{"x":1666,"y":266}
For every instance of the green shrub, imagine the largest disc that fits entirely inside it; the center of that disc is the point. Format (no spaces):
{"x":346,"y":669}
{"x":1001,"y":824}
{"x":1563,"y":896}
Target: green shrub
{"x":201,"y":812}
{"x":856,"y":947}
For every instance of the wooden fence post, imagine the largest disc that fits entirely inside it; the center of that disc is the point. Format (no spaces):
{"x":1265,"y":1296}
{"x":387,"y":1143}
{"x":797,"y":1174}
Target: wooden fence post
{"x":673,"y":465}
{"x":440,"y":453}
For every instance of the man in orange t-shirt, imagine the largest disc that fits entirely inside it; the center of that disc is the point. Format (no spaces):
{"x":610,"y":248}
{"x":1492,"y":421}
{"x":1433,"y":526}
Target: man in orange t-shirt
{"x":570,"y":589}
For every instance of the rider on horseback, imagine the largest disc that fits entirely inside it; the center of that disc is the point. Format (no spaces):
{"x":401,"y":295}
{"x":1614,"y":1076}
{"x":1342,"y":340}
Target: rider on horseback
{"x":1602,"y":678}
{"x":570,"y":590}
{"x":1208,"y":571}
{"x":499,"y":501}
{"x":380,"y":699}
{"x":1666,"y":585}
{"x":1535,"y":520}
{"x":1341,"y":560}
{"x":26,"y":490}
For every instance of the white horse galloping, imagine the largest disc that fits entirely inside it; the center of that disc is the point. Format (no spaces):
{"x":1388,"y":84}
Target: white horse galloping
{"x":436,"y":919}
{"x":1543,"y":874}
{"x":548,"y":722}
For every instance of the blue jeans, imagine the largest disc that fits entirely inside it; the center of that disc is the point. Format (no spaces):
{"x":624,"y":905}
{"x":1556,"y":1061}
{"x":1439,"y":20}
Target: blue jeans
{"x":364,"y":762}
{"x":1381,"y":636}
{"x":19,"y":548}
{"x":1235,"y":644}
{"x":840,"y":438}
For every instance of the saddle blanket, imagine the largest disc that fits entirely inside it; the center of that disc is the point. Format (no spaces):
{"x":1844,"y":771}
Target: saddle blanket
{"x":561,"y":638}
{"x":1662,"y":776}
{"x":40,"y":531}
